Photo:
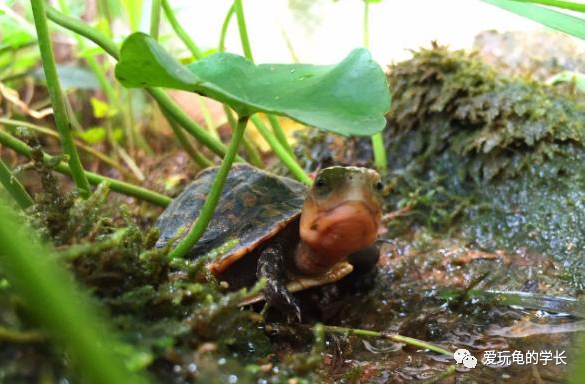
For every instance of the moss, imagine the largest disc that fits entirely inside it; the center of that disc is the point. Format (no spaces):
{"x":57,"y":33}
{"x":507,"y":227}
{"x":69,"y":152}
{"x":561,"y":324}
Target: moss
{"x":504,"y":156}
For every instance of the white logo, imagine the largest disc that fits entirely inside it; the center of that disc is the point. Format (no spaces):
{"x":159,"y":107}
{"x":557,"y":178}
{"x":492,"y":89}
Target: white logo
{"x":463,"y":356}
{"x":469,"y":362}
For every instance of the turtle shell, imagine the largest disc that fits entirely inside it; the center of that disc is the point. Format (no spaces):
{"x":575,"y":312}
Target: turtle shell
{"x":254,"y":206}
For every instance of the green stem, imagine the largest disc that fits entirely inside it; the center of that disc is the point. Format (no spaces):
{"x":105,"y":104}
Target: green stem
{"x":155,"y":18}
{"x":249,"y":146}
{"x":280,"y":134}
{"x":62,"y":167}
{"x":13,"y":186}
{"x":213,"y":197}
{"x":380,"y":154}
{"x":365,"y":34}
{"x":92,"y":248}
{"x":164,"y":101}
{"x":281,"y":152}
{"x":198,"y":158}
{"x":71,"y":319}
{"x":50,"y":69}
{"x":225,"y":24}
{"x":242,"y":28}
{"x":279,"y":146}
{"x":167,"y":104}
{"x":207,"y":116}
{"x":392,"y":337}
{"x":21,"y":337}
{"x":44,"y":130}
{"x":96,"y":68}
{"x":378,"y":144}
{"x":84,"y":30}
{"x":189,"y":43}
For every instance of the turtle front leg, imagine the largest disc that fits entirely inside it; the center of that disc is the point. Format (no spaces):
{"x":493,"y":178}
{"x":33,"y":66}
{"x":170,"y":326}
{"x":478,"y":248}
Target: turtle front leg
{"x":271,"y":265}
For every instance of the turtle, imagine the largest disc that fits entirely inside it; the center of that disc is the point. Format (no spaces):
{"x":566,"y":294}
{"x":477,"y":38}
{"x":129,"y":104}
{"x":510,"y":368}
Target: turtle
{"x":274,"y":227}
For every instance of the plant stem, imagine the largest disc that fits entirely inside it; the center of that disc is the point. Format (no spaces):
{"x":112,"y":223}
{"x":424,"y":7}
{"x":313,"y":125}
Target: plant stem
{"x":280,"y":134}
{"x":70,"y":318}
{"x":365,"y":34}
{"x":281,"y":152}
{"x":96,"y":68}
{"x":21,"y":337}
{"x":164,"y":101}
{"x":248,"y":144}
{"x":155,"y":18}
{"x":380,"y":154}
{"x":378,"y":144}
{"x":44,"y":130}
{"x":242,"y":29}
{"x":84,"y":30}
{"x":62,"y":167}
{"x":213,"y":196}
{"x":92,"y":248}
{"x":207,"y":116}
{"x":13,"y":186}
{"x":189,"y":43}
{"x":198,"y":158}
{"x":225,"y":24}
{"x":392,"y":337}
{"x":61,"y":121}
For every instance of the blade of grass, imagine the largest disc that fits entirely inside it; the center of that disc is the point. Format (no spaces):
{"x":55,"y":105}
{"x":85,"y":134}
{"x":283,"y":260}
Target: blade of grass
{"x":71,"y":319}
{"x":62,"y":167}
{"x":164,"y":101}
{"x":213,"y":197}
{"x":281,"y":152}
{"x":14,"y":187}
{"x":61,"y":121}
{"x":224,"y":30}
{"x":562,"y":22}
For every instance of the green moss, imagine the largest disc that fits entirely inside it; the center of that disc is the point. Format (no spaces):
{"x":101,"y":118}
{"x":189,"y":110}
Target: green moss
{"x":504,"y":156}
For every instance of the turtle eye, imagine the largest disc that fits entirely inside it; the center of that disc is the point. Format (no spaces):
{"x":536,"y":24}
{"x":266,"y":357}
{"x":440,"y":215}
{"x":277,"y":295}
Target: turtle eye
{"x":379,"y":186}
{"x":320,"y":182}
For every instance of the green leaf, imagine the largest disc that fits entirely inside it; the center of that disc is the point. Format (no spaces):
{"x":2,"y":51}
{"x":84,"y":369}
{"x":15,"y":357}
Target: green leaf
{"x":102,"y":109}
{"x":349,"y":98}
{"x":93,"y":135}
{"x":563,"y":22}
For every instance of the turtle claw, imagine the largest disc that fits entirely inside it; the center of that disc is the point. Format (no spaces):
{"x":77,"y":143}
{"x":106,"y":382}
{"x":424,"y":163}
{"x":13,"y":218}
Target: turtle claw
{"x":277,"y":295}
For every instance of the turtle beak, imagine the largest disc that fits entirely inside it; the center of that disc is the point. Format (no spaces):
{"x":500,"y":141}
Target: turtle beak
{"x":340,"y":230}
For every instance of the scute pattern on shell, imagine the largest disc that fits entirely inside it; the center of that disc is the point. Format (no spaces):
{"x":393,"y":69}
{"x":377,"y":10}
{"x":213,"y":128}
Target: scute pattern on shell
{"x":252,"y":205}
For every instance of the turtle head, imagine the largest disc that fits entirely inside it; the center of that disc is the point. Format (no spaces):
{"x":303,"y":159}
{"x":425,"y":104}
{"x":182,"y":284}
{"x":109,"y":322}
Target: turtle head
{"x":341,"y":215}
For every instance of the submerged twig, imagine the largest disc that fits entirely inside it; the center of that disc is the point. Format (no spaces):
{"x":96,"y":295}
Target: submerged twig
{"x":387,"y":336}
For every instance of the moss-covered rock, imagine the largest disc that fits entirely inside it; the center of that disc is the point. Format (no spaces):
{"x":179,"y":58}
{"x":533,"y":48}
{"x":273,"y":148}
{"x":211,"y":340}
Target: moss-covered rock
{"x":504,"y":155}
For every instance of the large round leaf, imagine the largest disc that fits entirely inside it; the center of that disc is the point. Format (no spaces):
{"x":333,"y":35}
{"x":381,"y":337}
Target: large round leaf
{"x":349,"y":98}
